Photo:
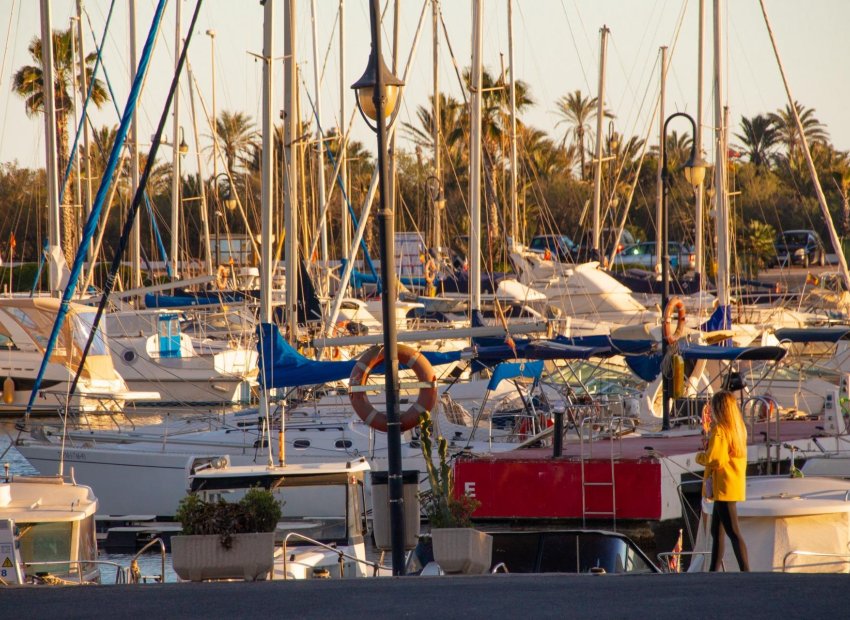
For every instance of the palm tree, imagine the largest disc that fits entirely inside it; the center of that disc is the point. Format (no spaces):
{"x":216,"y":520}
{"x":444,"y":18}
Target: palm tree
{"x":237,"y":137}
{"x":577,"y":111}
{"x":755,"y":246}
{"x":786,"y":127}
{"x":758,"y":135}
{"x":28,"y":82}
{"x":451,"y":119}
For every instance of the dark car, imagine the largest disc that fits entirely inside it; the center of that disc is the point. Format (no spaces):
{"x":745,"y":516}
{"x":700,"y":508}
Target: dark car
{"x":799,"y":247}
{"x":607,"y":236}
{"x":560,"y":247}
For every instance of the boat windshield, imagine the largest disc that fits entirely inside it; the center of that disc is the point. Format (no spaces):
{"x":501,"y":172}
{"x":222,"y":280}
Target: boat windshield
{"x":45,"y":542}
{"x":82,"y":325}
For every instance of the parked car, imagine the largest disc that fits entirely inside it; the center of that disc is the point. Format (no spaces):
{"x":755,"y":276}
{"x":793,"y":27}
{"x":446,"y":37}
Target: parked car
{"x":560,"y":247}
{"x":642,"y":256}
{"x":584,"y":251}
{"x":799,"y":247}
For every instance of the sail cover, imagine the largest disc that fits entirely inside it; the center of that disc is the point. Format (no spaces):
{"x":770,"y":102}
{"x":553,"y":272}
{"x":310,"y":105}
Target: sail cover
{"x":282,"y":366}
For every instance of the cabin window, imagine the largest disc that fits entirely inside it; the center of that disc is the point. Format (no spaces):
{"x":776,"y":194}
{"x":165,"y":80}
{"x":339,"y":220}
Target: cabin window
{"x":45,"y":542}
{"x":343,"y":444}
{"x":301,"y":444}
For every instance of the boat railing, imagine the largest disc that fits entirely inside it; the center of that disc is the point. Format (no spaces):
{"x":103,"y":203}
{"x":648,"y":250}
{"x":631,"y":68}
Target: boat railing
{"x":666,"y":559}
{"x":121,"y":573}
{"x":341,"y":555}
{"x":135,"y":574}
{"x":844,"y":557}
{"x":755,"y":408}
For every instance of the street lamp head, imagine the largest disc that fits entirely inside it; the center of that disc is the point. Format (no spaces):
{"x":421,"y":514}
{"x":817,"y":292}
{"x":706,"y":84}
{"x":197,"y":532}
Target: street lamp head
{"x":365,"y":88}
{"x":695,"y":170}
{"x":230,"y":204}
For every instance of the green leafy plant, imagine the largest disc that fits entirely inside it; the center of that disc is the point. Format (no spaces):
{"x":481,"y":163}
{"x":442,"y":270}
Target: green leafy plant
{"x":441,"y":505}
{"x":257,"y":511}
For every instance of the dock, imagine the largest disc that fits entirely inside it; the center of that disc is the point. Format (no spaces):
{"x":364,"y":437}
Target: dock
{"x":734,"y":595}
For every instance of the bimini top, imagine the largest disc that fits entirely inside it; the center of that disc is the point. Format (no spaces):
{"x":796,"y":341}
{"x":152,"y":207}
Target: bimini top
{"x":248,"y":476}
{"x":812,"y":334}
{"x":714,"y":352}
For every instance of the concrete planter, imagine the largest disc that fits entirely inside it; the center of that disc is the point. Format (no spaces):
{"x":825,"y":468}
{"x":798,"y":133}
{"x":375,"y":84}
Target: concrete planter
{"x":196,"y":558}
{"x":462,"y":550}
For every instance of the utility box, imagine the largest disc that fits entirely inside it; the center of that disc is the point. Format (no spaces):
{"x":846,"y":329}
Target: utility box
{"x":381,"y":508}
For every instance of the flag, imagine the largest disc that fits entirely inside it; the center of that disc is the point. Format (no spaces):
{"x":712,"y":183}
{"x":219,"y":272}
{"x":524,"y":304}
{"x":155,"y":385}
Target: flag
{"x":673,"y":563}
{"x":12,"y":241}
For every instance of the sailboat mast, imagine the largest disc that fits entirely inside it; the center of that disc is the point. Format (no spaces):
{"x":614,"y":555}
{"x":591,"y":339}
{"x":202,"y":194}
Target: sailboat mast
{"x":597,"y":169}
{"x":135,"y":236}
{"x":345,"y":220}
{"x":267,"y":190}
{"x":721,"y":221}
{"x":50,"y":147}
{"x":84,"y":89}
{"x":659,"y":179}
{"x":833,"y":234}
{"x":699,"y":233}
{"x":175,"y":156}
{"x":320,"y":190}
{"x":290,"y":151}
{"x":474,"y":253}
{"x":205,"y":212}
{"x":514,"y":171}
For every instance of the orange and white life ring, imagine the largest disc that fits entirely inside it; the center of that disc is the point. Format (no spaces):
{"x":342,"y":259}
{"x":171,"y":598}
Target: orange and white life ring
{"x":430,"y":270}
{"x":410,"y":358}
{"x":678,"y":306}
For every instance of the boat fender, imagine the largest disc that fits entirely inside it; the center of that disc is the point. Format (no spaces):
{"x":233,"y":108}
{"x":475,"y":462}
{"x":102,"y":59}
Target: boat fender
{"x":8,"y":391}
{"x":408,"y":357}
{"x":678,"y":376}
{"x":678,"y":306}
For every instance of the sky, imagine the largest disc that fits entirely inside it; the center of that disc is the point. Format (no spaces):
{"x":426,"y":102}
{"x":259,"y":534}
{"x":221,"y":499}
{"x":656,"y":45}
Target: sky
{"x":556,"y":45}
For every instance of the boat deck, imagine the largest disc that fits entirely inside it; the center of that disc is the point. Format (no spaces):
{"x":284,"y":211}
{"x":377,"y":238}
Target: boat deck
{"x":637,"y":477}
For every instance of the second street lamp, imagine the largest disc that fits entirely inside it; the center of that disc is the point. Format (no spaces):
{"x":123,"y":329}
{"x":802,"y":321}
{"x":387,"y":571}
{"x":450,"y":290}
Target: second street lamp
{"x":377,"y":96}
{"x":695,"y":174}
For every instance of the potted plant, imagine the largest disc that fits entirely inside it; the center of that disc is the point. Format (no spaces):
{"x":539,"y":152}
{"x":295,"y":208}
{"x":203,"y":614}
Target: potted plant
{"x":458,"y":547}
{"x":223,"y":540}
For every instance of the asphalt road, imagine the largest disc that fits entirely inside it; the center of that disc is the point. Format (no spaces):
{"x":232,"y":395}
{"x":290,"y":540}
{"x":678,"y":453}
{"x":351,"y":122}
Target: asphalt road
{"x":754,"y":595}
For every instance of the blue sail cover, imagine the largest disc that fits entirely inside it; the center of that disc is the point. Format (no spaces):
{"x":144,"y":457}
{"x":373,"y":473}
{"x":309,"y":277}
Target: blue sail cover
{"x":721,"y":318}
{"x":509,"y":370}
{"x":283,"y":366}
{"x":715,"y":352}
{"x":200,"y":298}
{"x":813,"y":334}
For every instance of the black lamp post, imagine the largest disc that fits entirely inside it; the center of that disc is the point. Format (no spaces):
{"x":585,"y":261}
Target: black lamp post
{"x":695,"y":173}
{"x":377,"y":94}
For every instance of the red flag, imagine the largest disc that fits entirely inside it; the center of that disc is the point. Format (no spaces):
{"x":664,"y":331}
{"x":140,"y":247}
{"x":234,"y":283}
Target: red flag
{"x":12,"y":241}
{"x":674,"y":563}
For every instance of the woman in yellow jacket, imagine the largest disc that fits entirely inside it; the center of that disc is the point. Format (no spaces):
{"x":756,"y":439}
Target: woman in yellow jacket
{"x":725,"y":463}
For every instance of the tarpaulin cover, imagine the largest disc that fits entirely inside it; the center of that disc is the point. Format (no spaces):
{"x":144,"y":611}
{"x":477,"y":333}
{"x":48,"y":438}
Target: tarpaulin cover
{"x":509,"y":370}
{"x":283,"y":366}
